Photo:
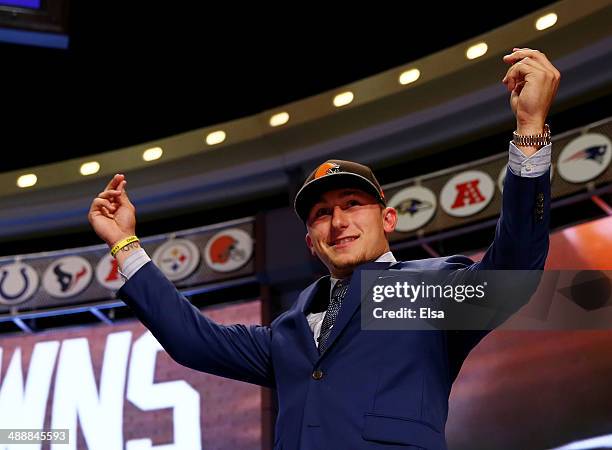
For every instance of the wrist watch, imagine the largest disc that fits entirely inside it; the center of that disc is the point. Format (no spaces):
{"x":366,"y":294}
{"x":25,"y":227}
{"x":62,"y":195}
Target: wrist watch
{"x":532,"y":140}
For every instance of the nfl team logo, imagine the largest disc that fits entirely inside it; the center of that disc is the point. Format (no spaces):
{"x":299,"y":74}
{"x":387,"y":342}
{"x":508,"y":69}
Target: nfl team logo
{"x":415,"y":206}
{"x":107,"y":273}
{"x":228,"y":250}
{"x":18,"y":283}
{"x":467,"y":193}
{"x":67,"y":277}
{"x":585,"y":158}
{"x":326,"y":169}
{"x":177,"y":258}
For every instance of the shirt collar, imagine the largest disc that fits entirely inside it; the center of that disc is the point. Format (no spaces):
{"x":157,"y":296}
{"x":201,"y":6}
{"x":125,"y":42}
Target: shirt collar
{"x":385,"y":257}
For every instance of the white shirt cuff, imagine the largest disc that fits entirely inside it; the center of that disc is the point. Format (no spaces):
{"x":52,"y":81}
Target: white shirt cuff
{"x":529,"y":167}
{"x":133,"y":263}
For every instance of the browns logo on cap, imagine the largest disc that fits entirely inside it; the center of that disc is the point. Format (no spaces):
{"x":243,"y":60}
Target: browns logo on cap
{"x":325,"y":169}
{"x":335,"y":174}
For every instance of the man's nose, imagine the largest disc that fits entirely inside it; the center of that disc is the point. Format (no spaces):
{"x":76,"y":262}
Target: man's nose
{"x":339,"y":218}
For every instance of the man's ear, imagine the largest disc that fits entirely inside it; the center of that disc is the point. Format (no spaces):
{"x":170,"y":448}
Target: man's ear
{"x":309,"y":244}
{"x":389,"y":219}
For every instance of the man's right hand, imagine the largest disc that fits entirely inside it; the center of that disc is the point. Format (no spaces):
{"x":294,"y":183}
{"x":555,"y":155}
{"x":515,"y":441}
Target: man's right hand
{"x":112,"y":215}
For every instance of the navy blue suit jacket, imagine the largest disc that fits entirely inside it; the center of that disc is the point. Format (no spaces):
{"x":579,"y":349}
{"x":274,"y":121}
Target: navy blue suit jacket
{"x":370,"y":389}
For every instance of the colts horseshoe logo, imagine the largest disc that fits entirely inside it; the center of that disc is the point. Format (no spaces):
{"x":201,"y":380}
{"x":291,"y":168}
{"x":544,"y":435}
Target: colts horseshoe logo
{"x":8,"y":296}
{"x":18,"y":282}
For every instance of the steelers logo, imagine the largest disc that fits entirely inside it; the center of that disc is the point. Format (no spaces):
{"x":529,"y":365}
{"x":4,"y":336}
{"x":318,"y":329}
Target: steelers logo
{"x":177,"y":258}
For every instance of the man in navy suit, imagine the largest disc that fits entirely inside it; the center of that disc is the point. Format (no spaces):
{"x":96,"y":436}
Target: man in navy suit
{"x":338,"y":386}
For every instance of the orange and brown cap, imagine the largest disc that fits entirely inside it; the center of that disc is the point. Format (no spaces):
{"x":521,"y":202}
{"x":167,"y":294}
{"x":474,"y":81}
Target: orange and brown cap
{"x":336,"y":174}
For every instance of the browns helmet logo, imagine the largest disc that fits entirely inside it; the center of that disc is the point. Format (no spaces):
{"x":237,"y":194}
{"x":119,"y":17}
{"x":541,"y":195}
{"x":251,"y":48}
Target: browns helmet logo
{"x":228,"y":250}
{"x":326,"y":169}
{"x":225,"y":248}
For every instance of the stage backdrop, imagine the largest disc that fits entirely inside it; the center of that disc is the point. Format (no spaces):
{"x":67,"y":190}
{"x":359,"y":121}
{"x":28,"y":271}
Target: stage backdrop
{"x":540,"y":389}
{"x":115,"y":389}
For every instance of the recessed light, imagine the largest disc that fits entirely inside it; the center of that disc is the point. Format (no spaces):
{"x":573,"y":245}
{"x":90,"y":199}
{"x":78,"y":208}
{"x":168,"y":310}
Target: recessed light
{"x":279,"y":119}
{"x":476,"y":50}
{"x":151,"y":154}
{"x":343,"y":99}
{"x":216,"y":137}
{"x":409,"y":76}
{"x":27,"y":180}
{"x":546,"y":21}
{"x":89,"y":168}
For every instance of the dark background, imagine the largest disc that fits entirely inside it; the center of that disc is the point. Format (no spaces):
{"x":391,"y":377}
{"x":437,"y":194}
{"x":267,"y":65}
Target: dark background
{"x":144,"y":70}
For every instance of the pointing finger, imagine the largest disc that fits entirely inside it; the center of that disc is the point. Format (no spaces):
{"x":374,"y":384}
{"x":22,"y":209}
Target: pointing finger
{"x":114,"y":182}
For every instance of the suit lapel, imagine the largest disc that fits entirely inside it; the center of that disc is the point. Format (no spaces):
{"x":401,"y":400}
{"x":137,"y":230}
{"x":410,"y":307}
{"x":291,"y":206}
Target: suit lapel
{"x":298,"y":314}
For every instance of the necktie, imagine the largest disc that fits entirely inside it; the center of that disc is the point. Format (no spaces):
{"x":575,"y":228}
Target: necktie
{"x":338,"y":293}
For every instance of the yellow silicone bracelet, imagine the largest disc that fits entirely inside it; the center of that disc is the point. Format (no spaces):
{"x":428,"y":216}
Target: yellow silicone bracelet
{"x":122,"y":243}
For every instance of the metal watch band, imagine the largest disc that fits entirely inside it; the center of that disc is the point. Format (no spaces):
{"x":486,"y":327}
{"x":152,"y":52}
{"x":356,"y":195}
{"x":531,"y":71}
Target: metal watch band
{"x":532,"y":140}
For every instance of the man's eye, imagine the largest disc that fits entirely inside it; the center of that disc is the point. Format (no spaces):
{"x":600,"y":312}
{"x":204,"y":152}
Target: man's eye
{"x":353,"y":203}
{"x":322,"y":212}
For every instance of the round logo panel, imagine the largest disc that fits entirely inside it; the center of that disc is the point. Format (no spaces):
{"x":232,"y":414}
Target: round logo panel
{"x":467,"y":193}
{"x":585,"y":158}
{"x":67,"y":277}
{"x":415,"y":206}
{"x":18,"y":283}
{"x":107,"y":273}
{"x":228,"y":250}
{"x":177,"y":258}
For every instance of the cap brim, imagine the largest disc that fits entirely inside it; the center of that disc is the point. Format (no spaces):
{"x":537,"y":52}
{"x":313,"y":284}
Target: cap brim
{"x":312,"y":191}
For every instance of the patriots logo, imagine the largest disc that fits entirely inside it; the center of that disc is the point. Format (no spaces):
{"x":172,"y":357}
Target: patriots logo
{"x":412,"y":206}
{"x":595,"y":153}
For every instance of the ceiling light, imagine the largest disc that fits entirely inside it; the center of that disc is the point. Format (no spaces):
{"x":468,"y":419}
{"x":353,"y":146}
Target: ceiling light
{"x":546,"y":21}
{"x":476,"y":51}
{"x":216,"y":137}
{"x":89,"y":168}
{"x":343,"y":99}
{"x":279,"y":119}
{"x":409,"y":76}
{"x":27,"y":180}
{"x":151,"y":154}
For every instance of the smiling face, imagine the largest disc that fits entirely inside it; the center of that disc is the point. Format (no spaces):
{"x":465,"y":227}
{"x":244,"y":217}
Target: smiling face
{"x":348,"y":227}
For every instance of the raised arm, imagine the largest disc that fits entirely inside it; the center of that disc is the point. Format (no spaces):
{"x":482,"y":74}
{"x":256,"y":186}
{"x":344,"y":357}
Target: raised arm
{"x":239,"y":352}
{"x":521,"y":237}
